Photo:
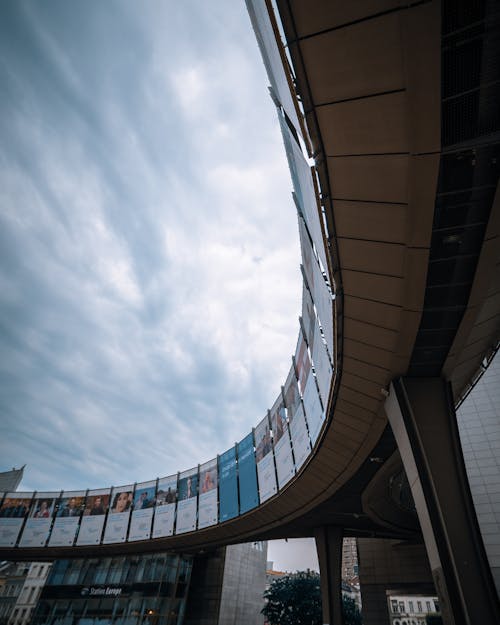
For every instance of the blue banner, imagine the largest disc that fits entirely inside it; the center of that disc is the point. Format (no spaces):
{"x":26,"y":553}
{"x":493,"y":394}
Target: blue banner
{"x":249,"y":497}
{"x":228,"y":485}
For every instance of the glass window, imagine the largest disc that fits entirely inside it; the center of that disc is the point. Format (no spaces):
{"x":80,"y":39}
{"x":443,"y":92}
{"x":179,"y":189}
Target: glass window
{"x":428,"y":606}
{"x":419,"y":606}
{"x":410,"y":606}
{"x":77,"y":607}
{"x":394,"y":606}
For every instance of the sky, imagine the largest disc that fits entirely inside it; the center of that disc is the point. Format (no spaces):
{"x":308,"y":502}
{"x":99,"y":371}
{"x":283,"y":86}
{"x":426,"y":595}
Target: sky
{"x":149,"y":257}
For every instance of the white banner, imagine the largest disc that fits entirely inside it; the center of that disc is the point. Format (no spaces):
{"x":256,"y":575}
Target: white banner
{"x":116,"y":527}
{"x":314,"y":412}
{"x":308,"y":317}
{"x":36,"y":532}
{"x":284,"y":461}
{"x":91,"y":530}
{"x":9,"y":531}
{"x":300,"y":438}
{"x":305,"y":191}
{"x":267,"y":478}
{"x":64,"y":532}
{"x":207,"y":508}
{"x":186,"y":516}
{"x":163,"y":524}
{"x":302,"y":363}
{"x":292,"y":395}
{"x":140,"y":525}
{"x":324,"y":306}
{"x":272,"y":58}
{"x":322,"y":367}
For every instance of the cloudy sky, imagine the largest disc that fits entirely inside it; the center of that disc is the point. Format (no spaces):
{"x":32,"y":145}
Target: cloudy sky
{"x":149,"y":251}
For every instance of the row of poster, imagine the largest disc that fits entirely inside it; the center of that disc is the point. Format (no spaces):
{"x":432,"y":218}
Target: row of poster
{"x":238,"y":480}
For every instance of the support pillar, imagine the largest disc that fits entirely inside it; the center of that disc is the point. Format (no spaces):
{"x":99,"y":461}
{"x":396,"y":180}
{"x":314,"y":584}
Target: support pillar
{"x":422,"y":417}
{"x":329,"y":547}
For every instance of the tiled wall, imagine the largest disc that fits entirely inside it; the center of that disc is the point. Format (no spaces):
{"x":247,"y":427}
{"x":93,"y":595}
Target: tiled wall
{"x":479,"y":425}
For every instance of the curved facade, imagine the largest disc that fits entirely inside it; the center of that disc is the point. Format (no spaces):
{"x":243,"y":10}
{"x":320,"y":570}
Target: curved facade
{"x":399,"y":224}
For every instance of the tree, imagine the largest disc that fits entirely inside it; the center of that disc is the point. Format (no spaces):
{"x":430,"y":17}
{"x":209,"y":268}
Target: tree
{"x":350,"y":611}
{"x":294,"y":600}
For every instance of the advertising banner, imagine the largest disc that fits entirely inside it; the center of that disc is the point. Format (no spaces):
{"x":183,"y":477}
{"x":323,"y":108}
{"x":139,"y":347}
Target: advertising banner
{"x":300,"y":438}
{"x":305,"y":190}
{"x":279,"y":423}
{"x":291,"y":395}
{"x":13,"y":511}
{"x":163,"y":524}
{"x":37,"y":528}
{"x":324,"y":306}
{"x":96,"y":506}
{"x":263,"y":440}
{"x":247,"y":475}
{"x":228,"y":485}
{"x":302,"y":363}
{"x":272,"y":58}
{"x":142,"y":513}
{"x":308,"y":258}
{"x":322,"y":367}
{"x":207,"y":502}
{"x":265,"y":460}
{"x":285,"y":467}
{"x":68,"y":512}
{"x":314,"y":412}
{"x":187,"y":502}
{"x":309,"y":321}
{"x":119,"y":514}
{"x":267,"y":478}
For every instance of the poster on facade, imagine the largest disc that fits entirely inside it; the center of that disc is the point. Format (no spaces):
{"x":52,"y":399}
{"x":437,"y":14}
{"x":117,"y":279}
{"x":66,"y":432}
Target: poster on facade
{"x":324,"y":307}
{"x":302,"y":363}
{"x":91,"y":526}
{"x":163,"y":524}
{"x":13,"y":511}
{"x":313,"y":409}
{"x":207,"y":501}
{"x":322,"y":367}
{"x":247,"y":474}
{"x":285,"y":467}
{"x":142,"y":512}
{"x":308,"y":258}
{"x":119,"y":514}
{"x":309,"y":321}
{"x":273,"y":59}
{"x":279,"y":423}
{"x":292,"y":396}
{"x":263,"y":440}
{"x":300,"y":438}
{"x":187,"y":501}
{"x":266,"y":473}
{"x":68,"y":512}
{"x":37,"y":528}
{"x":228,"y":485}
{"x":305,"y":191}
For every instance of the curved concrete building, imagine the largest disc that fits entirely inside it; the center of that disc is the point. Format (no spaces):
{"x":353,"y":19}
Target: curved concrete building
{"x":391,"y":125}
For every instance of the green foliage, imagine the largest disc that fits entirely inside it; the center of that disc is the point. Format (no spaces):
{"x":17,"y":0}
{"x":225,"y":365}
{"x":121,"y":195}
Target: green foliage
{"x":350,"y":612}
{"x":296,"y":600}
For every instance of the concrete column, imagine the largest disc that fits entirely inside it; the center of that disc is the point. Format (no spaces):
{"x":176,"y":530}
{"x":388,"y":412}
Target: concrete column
{"x":329,"y":547}
{"x":422,"y":416}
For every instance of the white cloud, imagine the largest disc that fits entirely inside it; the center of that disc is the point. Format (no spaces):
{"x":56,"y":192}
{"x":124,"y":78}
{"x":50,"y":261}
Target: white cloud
{"x":153,"y":290}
